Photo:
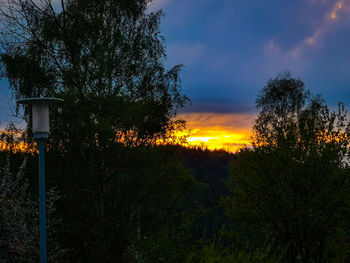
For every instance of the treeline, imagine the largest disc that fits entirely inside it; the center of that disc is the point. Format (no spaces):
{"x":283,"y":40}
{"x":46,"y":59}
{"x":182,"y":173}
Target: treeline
{"x":164,"y":205}
{"x":161,"y":205}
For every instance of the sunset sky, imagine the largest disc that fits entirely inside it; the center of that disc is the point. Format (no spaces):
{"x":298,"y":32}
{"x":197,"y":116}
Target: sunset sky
{"x":231,"y":48}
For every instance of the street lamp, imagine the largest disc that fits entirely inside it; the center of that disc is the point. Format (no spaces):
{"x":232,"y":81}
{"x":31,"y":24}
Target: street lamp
{"x":40,"y":120}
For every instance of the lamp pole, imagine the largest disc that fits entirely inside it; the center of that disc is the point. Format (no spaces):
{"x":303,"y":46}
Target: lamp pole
{"x":42,"y":201}
{"x":40,"y":115}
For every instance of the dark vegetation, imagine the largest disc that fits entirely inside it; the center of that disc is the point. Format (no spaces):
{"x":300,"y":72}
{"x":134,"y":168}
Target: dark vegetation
{"x":115,"y":196}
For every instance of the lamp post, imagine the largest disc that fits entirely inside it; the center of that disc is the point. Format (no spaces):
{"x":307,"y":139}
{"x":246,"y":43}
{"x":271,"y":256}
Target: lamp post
{"x":40,"y":115}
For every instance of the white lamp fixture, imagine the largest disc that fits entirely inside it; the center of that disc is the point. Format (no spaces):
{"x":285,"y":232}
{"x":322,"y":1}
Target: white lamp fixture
{"x":40,"y":112}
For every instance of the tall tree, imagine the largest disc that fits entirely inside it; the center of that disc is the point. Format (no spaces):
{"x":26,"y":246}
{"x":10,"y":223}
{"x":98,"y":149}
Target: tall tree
{"x":293,"y":186}
{"x":106,"y":60}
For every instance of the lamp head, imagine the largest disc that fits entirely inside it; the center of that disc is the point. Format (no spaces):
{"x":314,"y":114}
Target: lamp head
{"x":40,"y":113}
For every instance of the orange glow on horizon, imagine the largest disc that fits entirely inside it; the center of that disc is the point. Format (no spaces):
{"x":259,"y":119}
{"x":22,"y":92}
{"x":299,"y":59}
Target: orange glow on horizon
{"x":216,"y":131}
{"x":213,"y":131}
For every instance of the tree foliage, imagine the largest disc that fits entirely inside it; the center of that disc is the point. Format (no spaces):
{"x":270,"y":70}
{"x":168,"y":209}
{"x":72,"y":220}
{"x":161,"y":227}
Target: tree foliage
{"x":293,"y":186}
{"x":19,"y":218}
{"x":216,"y":254}
{"x":106,"y":60}
{"x":280,"y":102}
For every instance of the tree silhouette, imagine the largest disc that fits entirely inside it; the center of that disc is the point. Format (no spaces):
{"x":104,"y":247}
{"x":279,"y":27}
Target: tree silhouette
{"x":293,"y":186}
{"x":106,"y":60}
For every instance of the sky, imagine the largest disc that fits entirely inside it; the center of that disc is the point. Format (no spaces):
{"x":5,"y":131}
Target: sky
{"x":230,"y":49}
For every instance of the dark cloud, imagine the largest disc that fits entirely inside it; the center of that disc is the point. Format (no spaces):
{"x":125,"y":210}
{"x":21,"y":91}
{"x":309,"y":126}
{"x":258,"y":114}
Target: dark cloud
{"x":203,"y":106}
{"x":231,"y":48}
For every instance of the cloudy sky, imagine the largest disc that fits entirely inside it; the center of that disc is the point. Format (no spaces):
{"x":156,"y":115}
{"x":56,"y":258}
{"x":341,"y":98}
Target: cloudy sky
{"x":230,"y":49}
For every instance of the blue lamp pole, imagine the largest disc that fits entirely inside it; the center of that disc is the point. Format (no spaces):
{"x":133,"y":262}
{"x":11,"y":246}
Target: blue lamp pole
{"x":40,"y":120}
{"x":42,"y":200}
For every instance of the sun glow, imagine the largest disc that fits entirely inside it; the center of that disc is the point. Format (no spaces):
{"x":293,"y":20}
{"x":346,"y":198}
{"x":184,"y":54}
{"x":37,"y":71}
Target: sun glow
{"x":216,"y":131}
